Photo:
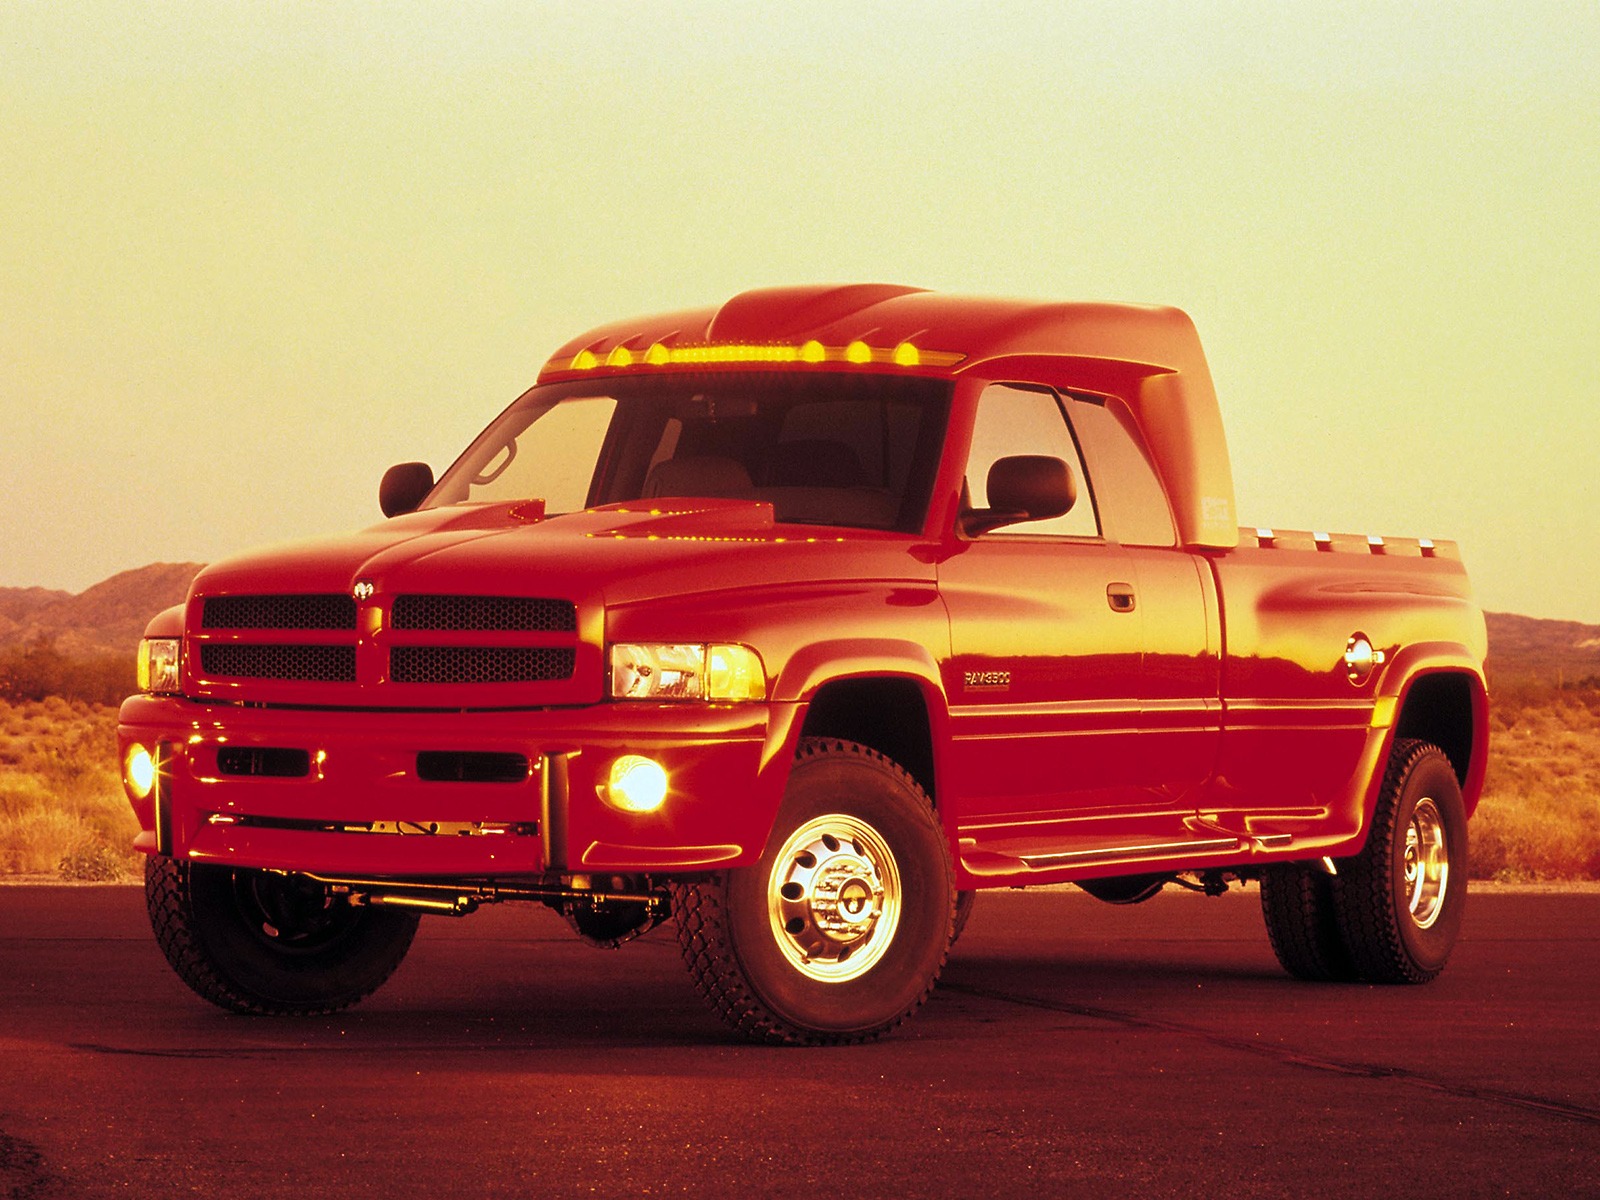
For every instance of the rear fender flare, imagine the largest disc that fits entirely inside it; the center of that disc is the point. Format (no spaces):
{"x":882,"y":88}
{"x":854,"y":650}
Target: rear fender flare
{"x":1397,"y":686}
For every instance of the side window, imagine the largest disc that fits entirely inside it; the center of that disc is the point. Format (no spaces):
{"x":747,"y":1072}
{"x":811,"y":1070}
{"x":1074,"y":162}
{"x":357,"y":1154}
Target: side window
{"x":1134,"y":505}
{"x":1019,"y":420}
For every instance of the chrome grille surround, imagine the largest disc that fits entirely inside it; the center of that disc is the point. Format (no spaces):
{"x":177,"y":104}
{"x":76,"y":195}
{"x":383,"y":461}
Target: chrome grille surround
{"x":403,"y":648}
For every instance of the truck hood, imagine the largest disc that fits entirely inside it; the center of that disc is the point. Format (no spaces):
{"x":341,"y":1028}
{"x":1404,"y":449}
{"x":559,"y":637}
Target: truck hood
{"x":614,"y":555}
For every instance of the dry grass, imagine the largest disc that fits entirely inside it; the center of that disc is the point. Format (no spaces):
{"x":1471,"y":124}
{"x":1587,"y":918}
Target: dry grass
{"x":1540,"y":813}
{"x":62,"y":810}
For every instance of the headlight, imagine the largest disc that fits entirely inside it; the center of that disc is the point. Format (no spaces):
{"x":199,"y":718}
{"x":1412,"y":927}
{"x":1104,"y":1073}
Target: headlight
{"x":681,"y":671}
{"x":160,"y":661}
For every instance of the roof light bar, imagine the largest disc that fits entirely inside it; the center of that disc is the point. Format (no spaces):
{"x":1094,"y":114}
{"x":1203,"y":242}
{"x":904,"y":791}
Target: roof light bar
{"x":857,"y":353}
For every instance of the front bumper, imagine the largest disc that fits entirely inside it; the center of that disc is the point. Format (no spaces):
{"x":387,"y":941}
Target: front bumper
{"x":362,"y":806}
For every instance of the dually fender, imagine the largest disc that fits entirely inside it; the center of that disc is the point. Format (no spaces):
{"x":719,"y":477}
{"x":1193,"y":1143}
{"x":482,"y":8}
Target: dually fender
{"x":1429,"y":689}
{"x":1408,"y":701}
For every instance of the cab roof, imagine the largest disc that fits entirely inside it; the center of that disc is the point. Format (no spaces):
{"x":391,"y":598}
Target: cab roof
{"x":1149,"y":356}
{"x":950,"y":333}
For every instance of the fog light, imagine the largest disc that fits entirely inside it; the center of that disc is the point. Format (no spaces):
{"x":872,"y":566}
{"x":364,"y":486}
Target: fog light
{"x":141,"y":772}
{"x":637,"y":784}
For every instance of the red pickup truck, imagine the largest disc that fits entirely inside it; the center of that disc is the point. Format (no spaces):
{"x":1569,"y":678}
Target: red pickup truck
{"x":798,"y":621}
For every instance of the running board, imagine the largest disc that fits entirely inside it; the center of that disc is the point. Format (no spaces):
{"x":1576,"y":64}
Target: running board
{"x":1100,"y":855}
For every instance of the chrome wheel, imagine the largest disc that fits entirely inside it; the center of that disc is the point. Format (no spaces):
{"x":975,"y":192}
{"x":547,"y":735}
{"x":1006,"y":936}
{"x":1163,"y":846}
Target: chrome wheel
{"x":1426,"y":865}
{"x":834,"y":898}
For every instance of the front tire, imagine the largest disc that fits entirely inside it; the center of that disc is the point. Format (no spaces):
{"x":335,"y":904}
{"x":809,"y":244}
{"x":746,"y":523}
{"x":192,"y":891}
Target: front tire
{"x":1400,"y":900}
{"x":839,"y":931}
{"x":262,"y":942}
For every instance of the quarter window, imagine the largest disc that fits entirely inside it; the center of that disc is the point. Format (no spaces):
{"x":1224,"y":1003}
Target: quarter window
{"x":1135,"y":510}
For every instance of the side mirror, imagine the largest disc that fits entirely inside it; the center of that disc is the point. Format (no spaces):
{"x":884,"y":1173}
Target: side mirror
{"x":1023,"y":487}
{"x":404,"y":487}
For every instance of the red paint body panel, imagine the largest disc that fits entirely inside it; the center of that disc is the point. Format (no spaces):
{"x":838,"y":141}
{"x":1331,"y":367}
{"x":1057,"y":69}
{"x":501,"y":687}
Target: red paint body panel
{"x":1088,"y":708}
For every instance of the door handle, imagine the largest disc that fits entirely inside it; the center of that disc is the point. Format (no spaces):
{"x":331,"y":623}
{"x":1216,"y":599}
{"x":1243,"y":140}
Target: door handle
{"x":1121,"y":598}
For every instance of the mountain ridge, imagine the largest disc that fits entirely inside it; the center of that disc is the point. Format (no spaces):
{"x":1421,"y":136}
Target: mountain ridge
{"x":107,"y":618}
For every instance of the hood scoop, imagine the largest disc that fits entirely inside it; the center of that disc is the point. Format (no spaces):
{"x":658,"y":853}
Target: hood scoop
{"x":693,"y":520}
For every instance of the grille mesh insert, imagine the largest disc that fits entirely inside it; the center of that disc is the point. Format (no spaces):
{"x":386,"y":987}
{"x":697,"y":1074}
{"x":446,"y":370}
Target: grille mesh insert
{"x":480,"y":664}
{"x":324,"y":664}
{"x":484,"y":612}
{"x":279,"y":612}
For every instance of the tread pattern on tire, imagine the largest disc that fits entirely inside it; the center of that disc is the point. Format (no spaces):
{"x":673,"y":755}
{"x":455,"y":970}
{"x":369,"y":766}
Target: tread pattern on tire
{"x":169,"y":901}
{"x":1364,"y":889}
{"x":965,"y":902}
{"x":700,"y":911}
{"x":1298,"y":906}
{"x":166,"y":895}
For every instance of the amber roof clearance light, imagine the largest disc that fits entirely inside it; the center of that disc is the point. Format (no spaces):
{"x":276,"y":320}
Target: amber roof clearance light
{"x":856,"y":353}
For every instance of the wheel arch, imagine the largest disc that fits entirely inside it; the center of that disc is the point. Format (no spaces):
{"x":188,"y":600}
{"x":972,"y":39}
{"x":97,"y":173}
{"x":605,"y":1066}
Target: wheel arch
{"x":1448,"y":705}
{"x":892,"y":714}
{"x":884,"y":693}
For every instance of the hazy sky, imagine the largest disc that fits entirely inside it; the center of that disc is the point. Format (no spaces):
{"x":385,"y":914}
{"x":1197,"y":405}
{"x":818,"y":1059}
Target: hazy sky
{"x":251,"y":254}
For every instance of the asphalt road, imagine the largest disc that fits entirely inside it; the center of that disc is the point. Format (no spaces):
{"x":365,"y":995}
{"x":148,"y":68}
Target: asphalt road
{"x":1073,"y":1049}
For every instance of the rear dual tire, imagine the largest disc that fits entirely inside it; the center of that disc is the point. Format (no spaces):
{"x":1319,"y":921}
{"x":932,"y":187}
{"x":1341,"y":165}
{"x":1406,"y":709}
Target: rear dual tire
{"x":1392,"y":912}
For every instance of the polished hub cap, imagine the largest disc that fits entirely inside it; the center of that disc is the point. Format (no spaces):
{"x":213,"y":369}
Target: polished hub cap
{"x":834,"y":898}
{"x":1427,"y":864}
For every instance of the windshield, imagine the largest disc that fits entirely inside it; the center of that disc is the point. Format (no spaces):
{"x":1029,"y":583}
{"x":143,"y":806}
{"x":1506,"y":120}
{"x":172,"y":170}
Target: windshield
{"x":832,"y":449}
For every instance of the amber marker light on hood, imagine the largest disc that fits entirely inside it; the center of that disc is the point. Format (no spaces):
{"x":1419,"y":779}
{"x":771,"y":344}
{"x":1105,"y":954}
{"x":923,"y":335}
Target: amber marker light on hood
{"x":857,"y":353}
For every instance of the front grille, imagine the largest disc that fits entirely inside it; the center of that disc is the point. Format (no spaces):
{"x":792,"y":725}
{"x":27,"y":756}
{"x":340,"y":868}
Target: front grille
{"x":471,"y":766}
{"x":323,"y":664}
{"x":480,"y":664}
{"x":279,"y":612}
{"x":250,"y":645}
{"x":484,"y":612}
{"x":273,"y":761}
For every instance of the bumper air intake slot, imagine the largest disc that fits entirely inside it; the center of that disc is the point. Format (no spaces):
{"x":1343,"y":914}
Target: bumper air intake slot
{"x":274,"y":762}
{"x":471,"y":766}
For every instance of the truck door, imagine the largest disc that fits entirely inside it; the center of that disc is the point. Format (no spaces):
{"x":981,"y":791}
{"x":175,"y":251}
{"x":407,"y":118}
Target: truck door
{"x":1043,"y":679}
{"x":1180,"y":705}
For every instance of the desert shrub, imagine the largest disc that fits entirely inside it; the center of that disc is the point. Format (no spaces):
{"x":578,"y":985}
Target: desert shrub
{"x":34,"y":842}
{"x":38,"y":671}
{"x":1540,"y":813}
{"x":62,"y":809}
{"x":94,"y":861}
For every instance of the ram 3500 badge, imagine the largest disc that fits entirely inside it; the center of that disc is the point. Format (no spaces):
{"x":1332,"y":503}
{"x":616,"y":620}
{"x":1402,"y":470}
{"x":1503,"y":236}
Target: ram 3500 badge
{"x":799,"y":621}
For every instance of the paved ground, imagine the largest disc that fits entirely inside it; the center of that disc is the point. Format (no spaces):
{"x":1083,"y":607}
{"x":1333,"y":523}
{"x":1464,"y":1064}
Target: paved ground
{"x":1074,"y":1049}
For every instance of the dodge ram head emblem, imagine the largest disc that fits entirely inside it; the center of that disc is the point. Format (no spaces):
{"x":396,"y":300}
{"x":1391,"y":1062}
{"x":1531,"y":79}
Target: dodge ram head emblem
{"x":363,"y":589}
